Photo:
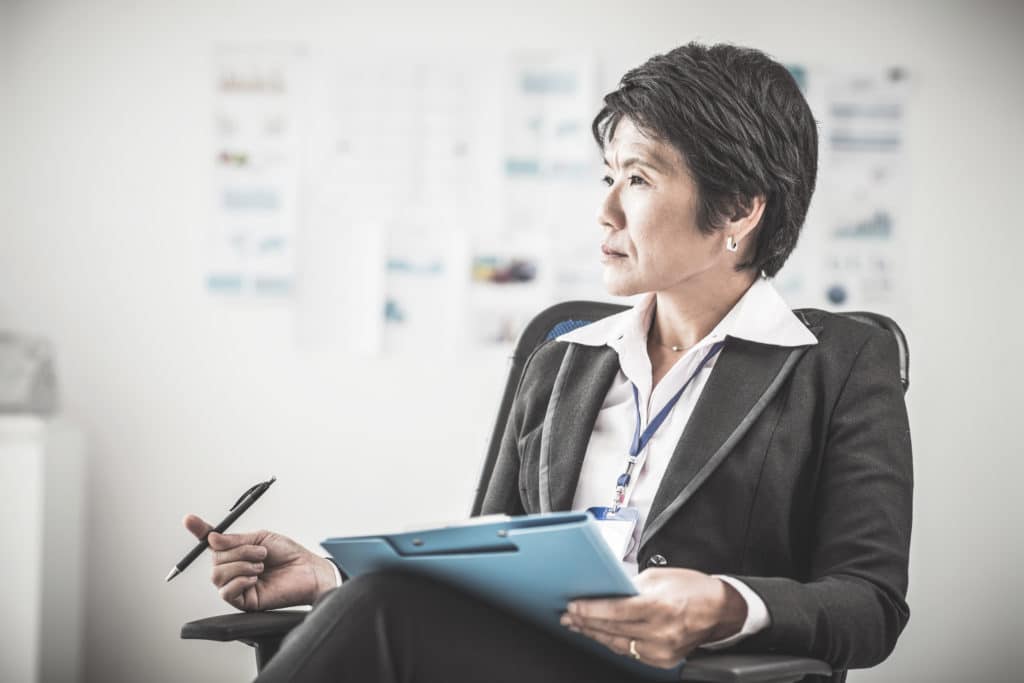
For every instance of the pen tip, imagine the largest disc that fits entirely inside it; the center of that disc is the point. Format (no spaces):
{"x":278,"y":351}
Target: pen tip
{"x":174,"y":572}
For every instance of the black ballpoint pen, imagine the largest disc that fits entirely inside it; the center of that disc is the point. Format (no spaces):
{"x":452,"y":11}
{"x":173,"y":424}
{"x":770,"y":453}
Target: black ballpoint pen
{"x":240,"y":506}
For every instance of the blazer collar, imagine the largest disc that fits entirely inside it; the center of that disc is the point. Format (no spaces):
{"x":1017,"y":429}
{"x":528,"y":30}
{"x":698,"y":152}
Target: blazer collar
{"x":582,"y":382}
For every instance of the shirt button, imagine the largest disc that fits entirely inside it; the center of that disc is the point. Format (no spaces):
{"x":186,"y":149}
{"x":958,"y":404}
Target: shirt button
{"x":657,"y":561}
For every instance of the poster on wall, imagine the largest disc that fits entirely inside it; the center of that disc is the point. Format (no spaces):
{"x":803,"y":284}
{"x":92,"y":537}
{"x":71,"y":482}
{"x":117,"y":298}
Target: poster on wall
{"x":865,"y":190}
{"x":394,"y":194}
{"x":426,"y":229}
{"x":852,"y":251}
{"x":258,"y":110}
{"x":537,"y":252}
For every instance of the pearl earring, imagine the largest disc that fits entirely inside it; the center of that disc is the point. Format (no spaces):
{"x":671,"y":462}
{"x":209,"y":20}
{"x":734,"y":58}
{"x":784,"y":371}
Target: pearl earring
{"x":730,"y":244}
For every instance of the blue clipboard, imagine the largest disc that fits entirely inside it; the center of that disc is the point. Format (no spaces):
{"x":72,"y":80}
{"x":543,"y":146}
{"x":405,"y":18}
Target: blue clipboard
{"x":531,"y":565}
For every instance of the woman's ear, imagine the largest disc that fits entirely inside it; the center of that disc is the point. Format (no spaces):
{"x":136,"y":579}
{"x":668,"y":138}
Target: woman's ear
{"x":746,"y":218}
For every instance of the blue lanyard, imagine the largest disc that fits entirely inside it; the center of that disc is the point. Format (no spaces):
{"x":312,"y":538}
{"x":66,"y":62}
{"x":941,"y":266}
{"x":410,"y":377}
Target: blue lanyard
{"x":640,"y":440}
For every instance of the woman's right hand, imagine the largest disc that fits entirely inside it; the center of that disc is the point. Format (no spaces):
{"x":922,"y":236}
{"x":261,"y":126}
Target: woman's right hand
{"x":262,"y":570}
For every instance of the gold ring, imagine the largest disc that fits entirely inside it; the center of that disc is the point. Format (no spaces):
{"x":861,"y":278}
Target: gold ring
{"x":632,"y":649}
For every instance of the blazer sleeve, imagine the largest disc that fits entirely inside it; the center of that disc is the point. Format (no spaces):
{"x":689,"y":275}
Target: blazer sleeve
{"x":852,"y":609}
{"x":503,"y":488}
{"x":503,"y":491}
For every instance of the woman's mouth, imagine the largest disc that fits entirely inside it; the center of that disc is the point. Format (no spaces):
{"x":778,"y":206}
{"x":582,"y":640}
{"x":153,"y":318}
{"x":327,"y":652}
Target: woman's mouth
{"x":607,"y":251}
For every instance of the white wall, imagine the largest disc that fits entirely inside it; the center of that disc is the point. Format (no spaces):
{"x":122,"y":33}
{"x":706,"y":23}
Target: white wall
{"x":104,"y":177}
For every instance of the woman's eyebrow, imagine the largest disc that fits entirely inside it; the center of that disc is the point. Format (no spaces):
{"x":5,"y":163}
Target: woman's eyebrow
{"x":652,"y":163}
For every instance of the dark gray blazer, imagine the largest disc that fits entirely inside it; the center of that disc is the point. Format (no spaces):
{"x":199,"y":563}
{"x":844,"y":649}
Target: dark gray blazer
{"x":793,"y":474}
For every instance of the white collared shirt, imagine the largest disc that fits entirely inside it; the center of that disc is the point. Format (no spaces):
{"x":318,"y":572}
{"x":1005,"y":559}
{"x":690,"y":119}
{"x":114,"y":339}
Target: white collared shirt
{"x":761,"y":315}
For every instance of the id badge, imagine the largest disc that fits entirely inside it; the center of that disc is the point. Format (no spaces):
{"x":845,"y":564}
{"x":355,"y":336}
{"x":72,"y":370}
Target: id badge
{"x":617,"y":528}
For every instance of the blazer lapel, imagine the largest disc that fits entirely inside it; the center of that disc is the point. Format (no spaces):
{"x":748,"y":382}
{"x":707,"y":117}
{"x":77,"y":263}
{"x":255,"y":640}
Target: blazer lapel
{"x":579,"y":390}
{"x":744,"y":379}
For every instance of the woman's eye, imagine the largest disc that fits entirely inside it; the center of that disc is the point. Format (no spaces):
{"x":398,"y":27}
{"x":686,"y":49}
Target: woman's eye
{"x":633,"y":180}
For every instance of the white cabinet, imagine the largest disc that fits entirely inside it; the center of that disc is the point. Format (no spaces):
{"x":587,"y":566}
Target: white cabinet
{"x":41,"y":528}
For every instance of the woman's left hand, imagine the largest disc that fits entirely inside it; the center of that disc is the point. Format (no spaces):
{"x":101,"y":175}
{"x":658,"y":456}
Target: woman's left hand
{"x":676,"y":611}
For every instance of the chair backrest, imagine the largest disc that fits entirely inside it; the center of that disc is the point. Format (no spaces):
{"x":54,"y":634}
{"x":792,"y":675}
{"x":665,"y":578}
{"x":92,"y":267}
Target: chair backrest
{"x":564,"y":317}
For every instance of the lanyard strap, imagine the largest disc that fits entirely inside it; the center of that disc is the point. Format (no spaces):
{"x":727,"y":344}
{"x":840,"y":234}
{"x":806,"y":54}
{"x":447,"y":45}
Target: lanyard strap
{"x":640,"y":440}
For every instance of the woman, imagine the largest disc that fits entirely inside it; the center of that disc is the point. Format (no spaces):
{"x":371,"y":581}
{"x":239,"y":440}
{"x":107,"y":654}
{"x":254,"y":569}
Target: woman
{"x":758,"y":462}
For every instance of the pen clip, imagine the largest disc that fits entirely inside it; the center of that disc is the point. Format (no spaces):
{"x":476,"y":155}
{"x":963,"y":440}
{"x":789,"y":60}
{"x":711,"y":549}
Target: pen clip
{"x":242,"y":497}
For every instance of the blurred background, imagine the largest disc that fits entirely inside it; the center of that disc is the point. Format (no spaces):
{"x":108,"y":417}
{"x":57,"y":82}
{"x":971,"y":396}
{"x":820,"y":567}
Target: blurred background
{"x":244,"y":239}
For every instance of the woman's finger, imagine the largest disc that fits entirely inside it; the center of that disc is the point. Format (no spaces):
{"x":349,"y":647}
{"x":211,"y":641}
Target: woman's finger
{"x":223,"y":574}
{"x":233,"y":592}
{"x":633,"y":608}
{"x":228,"y":541}
{"x":649,"y":652}
{"x":196,"y":525}
{"x":611,"y":627}
{"x":243,"y":553}
{"x":617,"y":644}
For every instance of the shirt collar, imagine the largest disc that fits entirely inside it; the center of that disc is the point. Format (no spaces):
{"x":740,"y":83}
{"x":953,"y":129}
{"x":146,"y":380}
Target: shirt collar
{"x":761,"y":315}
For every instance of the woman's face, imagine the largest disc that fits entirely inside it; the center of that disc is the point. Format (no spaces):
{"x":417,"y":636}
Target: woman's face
{"x":649,"y":216}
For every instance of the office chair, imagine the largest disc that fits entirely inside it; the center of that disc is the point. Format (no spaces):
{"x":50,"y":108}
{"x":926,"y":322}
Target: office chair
{"x":264,"y":631}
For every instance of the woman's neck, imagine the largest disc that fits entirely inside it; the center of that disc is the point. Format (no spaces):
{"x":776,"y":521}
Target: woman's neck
{"x":685,"y":315}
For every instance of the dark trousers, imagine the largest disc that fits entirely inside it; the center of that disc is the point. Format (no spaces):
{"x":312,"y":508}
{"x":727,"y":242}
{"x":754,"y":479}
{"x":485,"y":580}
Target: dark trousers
{"x":396,"y":628}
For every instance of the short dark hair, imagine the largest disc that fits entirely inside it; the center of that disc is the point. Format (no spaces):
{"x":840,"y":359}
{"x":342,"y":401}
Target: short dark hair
{"x":743,"y":128}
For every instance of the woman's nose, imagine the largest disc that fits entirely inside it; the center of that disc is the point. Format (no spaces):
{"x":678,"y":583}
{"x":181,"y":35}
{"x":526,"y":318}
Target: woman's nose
{"x":609,"y":213}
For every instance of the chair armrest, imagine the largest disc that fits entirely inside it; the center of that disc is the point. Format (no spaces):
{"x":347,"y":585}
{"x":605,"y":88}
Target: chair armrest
{"x":730,"y":668}
{"x":263,"y":630}
{"x":244,"y":626}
